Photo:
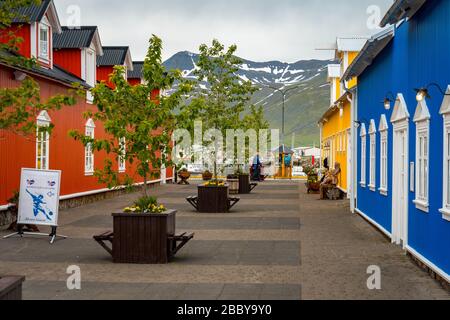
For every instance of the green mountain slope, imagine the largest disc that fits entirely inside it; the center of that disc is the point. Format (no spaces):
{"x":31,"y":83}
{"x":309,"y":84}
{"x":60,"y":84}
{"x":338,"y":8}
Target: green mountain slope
{"x":304,"y":105}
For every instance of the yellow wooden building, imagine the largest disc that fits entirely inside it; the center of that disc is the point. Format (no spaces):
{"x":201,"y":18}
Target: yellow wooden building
{"x":336,"y":123}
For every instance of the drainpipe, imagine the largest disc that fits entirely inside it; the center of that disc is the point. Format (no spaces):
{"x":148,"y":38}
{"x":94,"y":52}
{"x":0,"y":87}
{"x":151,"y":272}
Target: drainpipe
{"x":321,"y":148}
{"x":353,"y":153}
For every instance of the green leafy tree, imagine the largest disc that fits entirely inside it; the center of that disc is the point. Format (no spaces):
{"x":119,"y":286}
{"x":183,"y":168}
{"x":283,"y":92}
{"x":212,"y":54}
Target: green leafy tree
{"x":138,"y":127}
{"x":20,"y":106}
{"x":255,"y":120}
{"x":220,"y":104}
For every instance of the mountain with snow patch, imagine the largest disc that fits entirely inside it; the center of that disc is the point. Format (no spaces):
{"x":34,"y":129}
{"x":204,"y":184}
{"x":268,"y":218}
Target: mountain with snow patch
{"x":304,"y":104}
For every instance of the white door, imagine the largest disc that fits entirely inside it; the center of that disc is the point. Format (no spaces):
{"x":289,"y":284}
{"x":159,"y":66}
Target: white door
{"x":400,"y":189}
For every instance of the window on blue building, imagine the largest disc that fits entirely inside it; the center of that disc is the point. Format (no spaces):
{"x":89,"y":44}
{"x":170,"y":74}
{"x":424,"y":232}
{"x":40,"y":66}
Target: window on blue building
{"x":373,"y":155}
{"x":363,"y":135}
{"x":422,"y":120}
{"x":383,"y":128}
{"x":445,"y":111}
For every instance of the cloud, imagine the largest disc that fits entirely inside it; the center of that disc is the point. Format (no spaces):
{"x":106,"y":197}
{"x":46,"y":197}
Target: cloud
{"x":287,"y":30}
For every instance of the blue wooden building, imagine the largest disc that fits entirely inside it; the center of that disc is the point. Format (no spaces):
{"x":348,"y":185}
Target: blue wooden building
{"x":402,"y":130}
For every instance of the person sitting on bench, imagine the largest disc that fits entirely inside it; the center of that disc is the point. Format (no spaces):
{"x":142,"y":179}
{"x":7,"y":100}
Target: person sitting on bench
{"x":330,"y":181}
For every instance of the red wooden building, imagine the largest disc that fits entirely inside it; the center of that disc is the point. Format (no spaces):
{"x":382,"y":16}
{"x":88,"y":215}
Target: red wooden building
{"x":65,"y":56}
{"x":113,"y":56}
{"x":135,"y":75}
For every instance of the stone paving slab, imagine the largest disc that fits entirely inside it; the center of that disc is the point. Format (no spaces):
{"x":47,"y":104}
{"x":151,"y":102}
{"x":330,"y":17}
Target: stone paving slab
{"x":252,"y":196}
{"x":53,"y":290}
{"x":76,"y":251}
{"x":163,"y":274}
{"x":219,"y":235}
{"x":293,"y":246}
{"x":212,"y":223}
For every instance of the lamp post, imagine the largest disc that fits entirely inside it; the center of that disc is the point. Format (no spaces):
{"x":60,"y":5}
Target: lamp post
{"x":284,"y":93}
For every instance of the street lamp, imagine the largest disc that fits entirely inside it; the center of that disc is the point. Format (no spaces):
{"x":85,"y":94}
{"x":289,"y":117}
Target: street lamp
{"x":284,"y":93}
{"x":423,"y":93}
{"x":388,"y":100}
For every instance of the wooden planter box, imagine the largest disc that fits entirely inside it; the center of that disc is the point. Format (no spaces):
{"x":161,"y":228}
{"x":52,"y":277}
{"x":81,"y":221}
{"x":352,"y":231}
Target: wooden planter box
{"x":184,"y":177}
{"x":313,"y":187}
{"x":213,"y":199}
{"x":207,"y":176}
{"x":142,"y":238}
{"x":11,"y":288}
{"x":233,"y":185}
{"x":244,"y":184}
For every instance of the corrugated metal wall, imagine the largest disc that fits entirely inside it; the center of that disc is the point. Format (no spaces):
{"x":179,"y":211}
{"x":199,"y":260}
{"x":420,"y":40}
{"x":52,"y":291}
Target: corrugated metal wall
{"x":418,"y":56}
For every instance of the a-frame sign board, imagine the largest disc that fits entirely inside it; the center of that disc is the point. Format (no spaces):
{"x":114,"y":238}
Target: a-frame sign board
{"x":39,"y":202}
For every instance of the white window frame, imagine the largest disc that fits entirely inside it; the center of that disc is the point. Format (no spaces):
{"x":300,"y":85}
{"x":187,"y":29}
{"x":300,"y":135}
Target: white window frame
{"x":89,"y":158}
{"x":446,"y":181}
{"x":43,"y":142}
{"x":121,"y":160}
{"x":363,"y":136}
{"x":89,"y":62}
{"x":384,"y":156}
{"x":47,"y":28}
{"x":422,"y":120}
{"x":338,"y":138}
{"x":445,"y":112}
{"x":344,"y":141}
{"x":372,"y":156}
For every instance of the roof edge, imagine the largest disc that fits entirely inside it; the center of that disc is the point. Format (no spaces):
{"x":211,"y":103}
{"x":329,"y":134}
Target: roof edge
{"x":364,"y":59}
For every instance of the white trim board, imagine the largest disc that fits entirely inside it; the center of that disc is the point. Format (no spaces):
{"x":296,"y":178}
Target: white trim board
{"x":342,"y":189}
{"x":374,"y":223}
{"x":89,"y":193}
{"x":430,"y":264}
{"x":5,"y":207}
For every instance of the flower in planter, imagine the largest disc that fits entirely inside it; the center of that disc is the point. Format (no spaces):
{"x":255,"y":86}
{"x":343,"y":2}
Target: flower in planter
{"x":215,"y":184}
{"x":146,"y":205}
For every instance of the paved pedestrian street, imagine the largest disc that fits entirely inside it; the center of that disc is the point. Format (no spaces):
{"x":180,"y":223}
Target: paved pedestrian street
{"x":278,"y":243}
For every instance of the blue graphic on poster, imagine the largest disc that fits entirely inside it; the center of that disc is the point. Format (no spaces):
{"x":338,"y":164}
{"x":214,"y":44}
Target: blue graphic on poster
{"x":39,"y":197}
{"x":38,"y":201}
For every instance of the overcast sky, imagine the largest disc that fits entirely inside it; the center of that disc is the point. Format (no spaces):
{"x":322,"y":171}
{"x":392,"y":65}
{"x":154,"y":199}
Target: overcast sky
{"x":286,"y":30}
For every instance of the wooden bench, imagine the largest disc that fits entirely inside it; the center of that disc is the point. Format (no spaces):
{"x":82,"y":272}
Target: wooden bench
{"x":193,"y":200}
{"x":232,"y":201}
{"x":174,"y":243}
{"x":103,"y":238}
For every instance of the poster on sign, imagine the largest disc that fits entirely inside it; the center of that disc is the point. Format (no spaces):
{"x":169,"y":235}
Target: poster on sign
{"x":39,"y":197}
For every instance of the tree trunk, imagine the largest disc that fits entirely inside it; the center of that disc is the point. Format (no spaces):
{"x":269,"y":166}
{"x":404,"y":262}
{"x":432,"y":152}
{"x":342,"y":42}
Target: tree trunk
{"x":215,"y":171}
{"x":145,"y":188}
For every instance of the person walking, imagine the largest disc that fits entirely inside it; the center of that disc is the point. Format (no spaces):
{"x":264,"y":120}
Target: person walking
{"x":256,"y":168}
